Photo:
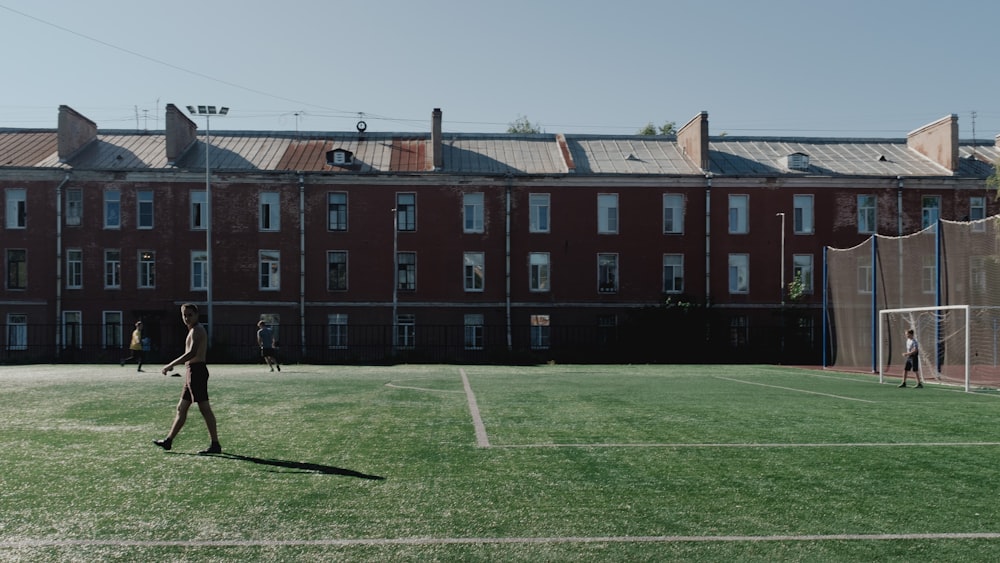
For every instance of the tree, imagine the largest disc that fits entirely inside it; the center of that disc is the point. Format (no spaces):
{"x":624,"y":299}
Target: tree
{"x":522,"y":125}
{"x":993,"y":181}
{"x":668,"y":128}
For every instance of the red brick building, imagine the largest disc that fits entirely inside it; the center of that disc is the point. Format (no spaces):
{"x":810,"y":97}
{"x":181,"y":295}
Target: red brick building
{"x":482,"y":247}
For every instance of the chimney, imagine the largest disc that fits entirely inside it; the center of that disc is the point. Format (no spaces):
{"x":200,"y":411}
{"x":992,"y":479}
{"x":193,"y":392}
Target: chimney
{"x":75,"y":132}
{"x":937,"y":141}
{"x":436,"y":148}
{"x":181,"y":132}
{"x":693,"y":140}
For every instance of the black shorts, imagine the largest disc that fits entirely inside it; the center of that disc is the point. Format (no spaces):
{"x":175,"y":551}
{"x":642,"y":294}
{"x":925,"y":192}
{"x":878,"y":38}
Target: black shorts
{"x":196,"y":383}
{"x":266,"y":352}
{"x":911,"y":364}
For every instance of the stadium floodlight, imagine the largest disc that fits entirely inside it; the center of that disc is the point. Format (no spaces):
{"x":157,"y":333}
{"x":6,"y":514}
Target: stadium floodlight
{"x":208,"y":112}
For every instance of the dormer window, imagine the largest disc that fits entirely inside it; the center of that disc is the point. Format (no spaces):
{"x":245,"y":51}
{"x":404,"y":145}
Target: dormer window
{"x":798,"y":161}
{"x":339,"y":157}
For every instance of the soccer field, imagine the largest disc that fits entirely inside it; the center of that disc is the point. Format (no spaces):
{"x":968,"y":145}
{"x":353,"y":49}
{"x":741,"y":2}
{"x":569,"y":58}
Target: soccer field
{"x":497,"y":463}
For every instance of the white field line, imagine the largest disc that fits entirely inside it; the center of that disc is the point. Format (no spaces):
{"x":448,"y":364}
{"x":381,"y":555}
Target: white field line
{"x":793,"y":389}
{"x":394,"y":386}
{"x":681,"y":445}
{"x":482,"y":439}
{"x":21,"y":544}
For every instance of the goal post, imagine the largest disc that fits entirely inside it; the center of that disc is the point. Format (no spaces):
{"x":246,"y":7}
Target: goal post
{"x":944,"y":336}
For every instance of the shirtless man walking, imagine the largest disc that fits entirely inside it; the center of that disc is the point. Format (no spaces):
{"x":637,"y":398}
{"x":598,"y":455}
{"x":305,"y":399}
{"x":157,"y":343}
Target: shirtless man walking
{"x":196,"y":382}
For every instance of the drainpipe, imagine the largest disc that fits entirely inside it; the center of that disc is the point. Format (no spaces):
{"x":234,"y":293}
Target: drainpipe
{"x":59,"y":262}
{"x":510,"y":182}
{"x":302,"y":265}
{"x":899,"y":206}
{"x":708,"y":239}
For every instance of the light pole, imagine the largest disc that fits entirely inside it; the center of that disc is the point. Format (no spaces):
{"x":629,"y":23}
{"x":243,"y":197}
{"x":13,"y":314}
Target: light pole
{"x":395,"y":278}
{"x":781,"y":281}
{"x":208,"y":112}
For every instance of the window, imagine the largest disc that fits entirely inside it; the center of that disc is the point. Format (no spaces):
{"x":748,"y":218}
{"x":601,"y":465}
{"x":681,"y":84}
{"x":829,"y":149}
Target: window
{"x":406,"y":271}
{"x":270,"y":218}
{"x":17,"y":211}
{"x":803,"y":214}
{"x":473,"y":332}
{"x":739,"y":331}
{"x":112,"y":209}
{"x":607,"y":330}
{"x":977,"y":275}
{"x":270,"y":269}
{"x":866,"y":214}
{"x":928,"y":274}
{"x":74,"y":206}
{"x":17,"y":269}
{"x":540,"y":332}
{"x":539,"y":209}
{"x":147,"y":269}
{"x":607,"y":273}
{"x":977,"y":212}
{"x":144,"y":211}
{"x":673,"y":273}
{"x":111,"y":336}
{"x":538,"y":271}
{"x":72,"y":329}
{"x":473,"y":272}
{"x":74,"y":268}
{"x":199,"y":270}
{"x":930,"y":210}
{"x":673,"y":214}
{"x":865,"y":282}
{"x":739,"y":206}
{"x":406,"y":331}
{"x":739,"y":273}
{"x":607,"y":213}
{"x":199,"y":210}
{"x":336,"y":211}
{"x":472,"y":211}
{"x":802,"y":268}
{"x":112,"y":268}
{"x":336,"y":270}
{"x":17,"y":332}
{"x":337,"y":328}
{"x":406,"y":212}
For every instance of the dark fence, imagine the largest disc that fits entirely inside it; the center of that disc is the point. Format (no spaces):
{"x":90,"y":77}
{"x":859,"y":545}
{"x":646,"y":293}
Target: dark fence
{"x":652,"y":336}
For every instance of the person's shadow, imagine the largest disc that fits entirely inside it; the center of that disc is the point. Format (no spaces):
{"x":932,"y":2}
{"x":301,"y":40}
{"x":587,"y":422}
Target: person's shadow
{"x":298,"y":466}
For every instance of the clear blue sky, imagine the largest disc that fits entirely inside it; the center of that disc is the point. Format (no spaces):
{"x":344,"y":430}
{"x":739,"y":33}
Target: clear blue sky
{"x":845,"y":68}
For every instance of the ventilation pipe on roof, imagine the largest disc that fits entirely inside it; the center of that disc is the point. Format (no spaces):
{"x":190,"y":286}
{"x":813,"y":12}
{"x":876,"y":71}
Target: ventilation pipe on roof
{"x":436,"y":149}
{"x":59,"y":262}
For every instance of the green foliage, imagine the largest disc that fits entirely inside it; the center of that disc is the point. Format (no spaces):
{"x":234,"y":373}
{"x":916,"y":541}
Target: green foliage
{"x":796,"y":288}
{"x":522,"y":125}
{"x":668,"y":128}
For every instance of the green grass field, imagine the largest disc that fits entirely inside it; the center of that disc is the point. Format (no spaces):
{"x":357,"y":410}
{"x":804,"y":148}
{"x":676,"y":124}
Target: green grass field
{"x":497,"y":463}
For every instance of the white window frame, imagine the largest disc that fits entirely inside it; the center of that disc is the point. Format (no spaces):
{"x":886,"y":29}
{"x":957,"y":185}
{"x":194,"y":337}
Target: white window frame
{"x":473,"y":333}
{"x":111,"y":329}
{"x":739,"y":274}
{"x":673,"y":273}
{"x":867,"y":214}
{"x":928,"y":274}
{"x":270,"y":212}
{"x":473,"y":211}
{"x":74,"y":268}
{"x":72,"y":329}
{"x":337,"y":329}
{"x":74,"y":206}
{"x":330,"y":274}
{"x":673,"y":214}
{"x":802,"y":265}
{"x":541,"y":332}
{"x":864,"y":264}
{"x":112,"y":209}
{"x":17,"y":331}
{"x":199,"y":210}
{"x":18,"y":274}
{"x":336,"y":212}
{"x":144,"y":210}
{"x":539,"y":272}
{"x":930,"y":210}
{"x":406,"y":212}
{"x":607,"y":272}
{"x":474,"y":271}
{"x":17,"y":208}
{"x":406,"y":331}
{"x":540,"y":213}
{"x":977,"y":212}
{"x":199,"y":270}
{"x":406,"y":273}
{"x":803,"y":214}
{"x":147,"y":268}
{"x":270,"y":270}
{"x":112,"y":268}
{"x":607,"y":214}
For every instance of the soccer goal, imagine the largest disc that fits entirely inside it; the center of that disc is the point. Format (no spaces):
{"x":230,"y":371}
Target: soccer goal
{"x":958,"y":343}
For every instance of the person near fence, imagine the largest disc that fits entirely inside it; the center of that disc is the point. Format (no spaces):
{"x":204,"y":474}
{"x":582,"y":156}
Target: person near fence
{"x":265,"y":339}
{"x":912,"y":355}
{"x":136,"y":350}
{"x":196,"y":382}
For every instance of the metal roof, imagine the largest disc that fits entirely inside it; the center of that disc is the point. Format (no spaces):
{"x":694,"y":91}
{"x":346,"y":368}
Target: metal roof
{"x":492,"y":154}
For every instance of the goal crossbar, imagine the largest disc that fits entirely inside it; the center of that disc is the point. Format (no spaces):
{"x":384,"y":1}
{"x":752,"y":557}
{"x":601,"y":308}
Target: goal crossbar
{"x":882,"y":325}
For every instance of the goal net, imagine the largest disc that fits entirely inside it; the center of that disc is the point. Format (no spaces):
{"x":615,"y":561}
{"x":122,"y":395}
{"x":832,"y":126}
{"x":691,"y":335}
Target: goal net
{"x":941,"y":281}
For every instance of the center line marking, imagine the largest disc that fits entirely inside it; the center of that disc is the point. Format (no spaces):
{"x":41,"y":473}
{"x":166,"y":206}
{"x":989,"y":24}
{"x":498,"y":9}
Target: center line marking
{"x":482,"y":440}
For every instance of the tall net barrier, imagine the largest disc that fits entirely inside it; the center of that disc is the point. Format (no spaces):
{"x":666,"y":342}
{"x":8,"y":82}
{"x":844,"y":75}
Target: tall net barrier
{"x":949,"y":264}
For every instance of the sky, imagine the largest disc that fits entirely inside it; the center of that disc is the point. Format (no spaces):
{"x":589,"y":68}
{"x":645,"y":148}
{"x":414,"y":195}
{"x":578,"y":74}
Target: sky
{"x":771,"y":68}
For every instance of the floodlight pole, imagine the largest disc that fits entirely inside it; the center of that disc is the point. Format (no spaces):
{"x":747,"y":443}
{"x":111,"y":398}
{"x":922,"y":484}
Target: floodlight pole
{"x":208,"y":112}
{"x":781,"y":280}
{"x":395,"y":278}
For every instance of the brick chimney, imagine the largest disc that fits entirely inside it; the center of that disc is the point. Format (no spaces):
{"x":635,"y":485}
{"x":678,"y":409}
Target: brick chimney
{"x":436,"y":149}
{"x":937,"y":141}
{"x":693,"y":140}
{"x":75,"y":132}
{"x":181,"y":132}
